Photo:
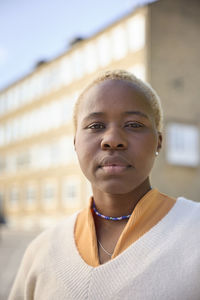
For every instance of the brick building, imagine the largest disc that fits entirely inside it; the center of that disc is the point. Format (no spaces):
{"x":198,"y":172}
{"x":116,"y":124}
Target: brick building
{"x":40,"y":179}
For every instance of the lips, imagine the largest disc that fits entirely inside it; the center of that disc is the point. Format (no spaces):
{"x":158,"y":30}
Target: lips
{"x":114,"y":165}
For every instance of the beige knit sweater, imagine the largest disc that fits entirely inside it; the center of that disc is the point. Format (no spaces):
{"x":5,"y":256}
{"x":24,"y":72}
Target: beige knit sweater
{"x":164,"y":264}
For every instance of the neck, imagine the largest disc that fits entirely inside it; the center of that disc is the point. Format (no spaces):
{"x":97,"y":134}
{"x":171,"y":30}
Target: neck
{"x":116,"y":205}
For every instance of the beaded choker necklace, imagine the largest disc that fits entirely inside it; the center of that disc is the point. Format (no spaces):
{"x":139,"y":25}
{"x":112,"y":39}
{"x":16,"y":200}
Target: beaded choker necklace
{"x":109,"y":218}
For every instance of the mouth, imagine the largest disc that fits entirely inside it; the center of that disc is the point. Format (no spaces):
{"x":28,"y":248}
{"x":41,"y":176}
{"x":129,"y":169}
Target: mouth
{"x":114,"y":165}
{"x":114,"y":169}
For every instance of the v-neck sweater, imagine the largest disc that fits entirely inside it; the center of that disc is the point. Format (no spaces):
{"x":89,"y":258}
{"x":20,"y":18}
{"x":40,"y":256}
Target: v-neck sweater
{"x":151,"y":208}
{"x":163,"y":264}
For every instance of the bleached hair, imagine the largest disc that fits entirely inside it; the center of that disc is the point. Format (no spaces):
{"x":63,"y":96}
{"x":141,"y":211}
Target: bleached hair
{"x":124,"y":75}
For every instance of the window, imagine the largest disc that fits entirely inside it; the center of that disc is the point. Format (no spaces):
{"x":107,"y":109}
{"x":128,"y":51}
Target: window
{"x":15,"y":129}
{"x":25,"y":92}
{"x":8,"y":132}
{"x":16,"y":97}
{"x":54,"y":153}
{"x":136,"y":32}
{"x":9,"y":99}
{"x":35,"y":157}
{"x":2,"y":164}
{"x":40,"y":119}
{"x":30,"y":196}
{"x":30,"y":127}
{"x":66,"y":71}
{"x":54,"y":114}
{"x":13,"y":198}
{"x":78,"y":63}
{"x":45,"y":83}
{"x":23,"y":160}
{"x":90,"y":57}
{"x":34,"y":86}
{"x":67,"y":106}
{"x":6,"y":96}
{"x":2,"y":135}
{"x":59,"y":151}
{"x":71,"y":192}
{"x":37,"y":85}
{"x":11,"y":163}
{"x":1,"y":104}
{"x":44,"y":156}
{"x":22,"y":126}
{"x":49,"y":79}
{"x":104,"y":50}
{"x":119,"y":42}
{"x":49,"y":194}
{"x":67,"y":152}
{"x":55,"y":76}
{"x":182,"y":144}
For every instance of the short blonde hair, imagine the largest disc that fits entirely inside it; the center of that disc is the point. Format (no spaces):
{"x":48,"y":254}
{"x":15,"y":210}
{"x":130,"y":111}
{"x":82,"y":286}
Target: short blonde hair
{"x":124,"y":75}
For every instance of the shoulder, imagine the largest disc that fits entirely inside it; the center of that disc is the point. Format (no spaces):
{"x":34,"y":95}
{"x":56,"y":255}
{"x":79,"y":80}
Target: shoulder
{"x":188,"y":205}
{"x":50,"y":239}
{"x":42,"y":255}
{"x":187,"y":212}
{"x":56,"y":231}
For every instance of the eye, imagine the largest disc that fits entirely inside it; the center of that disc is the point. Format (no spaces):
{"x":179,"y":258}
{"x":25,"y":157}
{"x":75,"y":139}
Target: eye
{"x":96,"y":126}
{"x":134,"y":125}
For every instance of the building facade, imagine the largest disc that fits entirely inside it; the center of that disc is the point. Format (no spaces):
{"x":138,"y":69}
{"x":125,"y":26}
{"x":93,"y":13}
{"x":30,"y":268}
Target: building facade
{"x":174,"y":73}
{"x":40,"y":179}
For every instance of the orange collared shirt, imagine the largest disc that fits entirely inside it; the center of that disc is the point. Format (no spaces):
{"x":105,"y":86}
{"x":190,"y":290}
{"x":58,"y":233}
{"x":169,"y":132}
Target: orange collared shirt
{"x":151,"y":208}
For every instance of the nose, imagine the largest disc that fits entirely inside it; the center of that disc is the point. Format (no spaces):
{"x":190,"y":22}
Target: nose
{"x":113,"y":139}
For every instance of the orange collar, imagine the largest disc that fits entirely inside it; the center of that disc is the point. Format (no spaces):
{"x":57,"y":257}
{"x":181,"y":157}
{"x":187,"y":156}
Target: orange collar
{"x":151,"y":208}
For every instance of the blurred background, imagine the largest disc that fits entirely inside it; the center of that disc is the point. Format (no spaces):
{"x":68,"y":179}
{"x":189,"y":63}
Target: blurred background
{"x":49,"y":51}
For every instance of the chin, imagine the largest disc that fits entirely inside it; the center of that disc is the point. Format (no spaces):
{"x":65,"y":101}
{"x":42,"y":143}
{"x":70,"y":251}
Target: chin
{"x":115,"y":189}
{"x":120,"y":187}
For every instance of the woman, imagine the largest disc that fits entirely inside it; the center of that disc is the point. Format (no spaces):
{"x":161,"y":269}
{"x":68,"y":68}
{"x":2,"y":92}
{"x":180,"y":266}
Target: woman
{"x":132,"y":242}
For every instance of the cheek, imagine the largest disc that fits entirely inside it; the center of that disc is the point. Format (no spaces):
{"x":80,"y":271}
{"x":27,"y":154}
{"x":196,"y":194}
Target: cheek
{"x":85,"y":150}
{"x":83,"y":161}
{"x":81,"y":152}
{"x":146,"y":149}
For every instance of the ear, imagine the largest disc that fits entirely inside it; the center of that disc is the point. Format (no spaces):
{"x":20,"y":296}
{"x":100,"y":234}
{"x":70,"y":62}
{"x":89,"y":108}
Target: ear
{"x":159,"y":146}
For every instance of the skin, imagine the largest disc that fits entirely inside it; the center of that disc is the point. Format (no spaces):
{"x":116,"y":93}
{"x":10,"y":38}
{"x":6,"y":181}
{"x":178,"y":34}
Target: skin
{"x":116,"y":141}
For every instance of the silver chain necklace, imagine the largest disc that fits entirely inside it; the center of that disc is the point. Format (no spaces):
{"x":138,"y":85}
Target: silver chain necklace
{"x":108,"y":253}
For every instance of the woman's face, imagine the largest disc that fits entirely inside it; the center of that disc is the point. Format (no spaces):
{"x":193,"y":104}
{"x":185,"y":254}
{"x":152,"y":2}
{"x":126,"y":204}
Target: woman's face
{"x":116,"y":138}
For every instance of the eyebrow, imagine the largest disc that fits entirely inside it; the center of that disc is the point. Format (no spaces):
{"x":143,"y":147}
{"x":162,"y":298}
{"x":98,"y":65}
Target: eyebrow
{"x":136,"y":112}
{"x":100,"y":114}
{"x":94,"y":115}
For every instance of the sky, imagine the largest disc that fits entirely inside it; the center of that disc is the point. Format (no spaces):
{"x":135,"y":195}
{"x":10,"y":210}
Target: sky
{"x":34,"y":30}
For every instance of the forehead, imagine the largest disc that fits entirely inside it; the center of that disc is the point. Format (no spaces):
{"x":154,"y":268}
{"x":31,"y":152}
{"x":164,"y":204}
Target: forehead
{"x":115,"y":94}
